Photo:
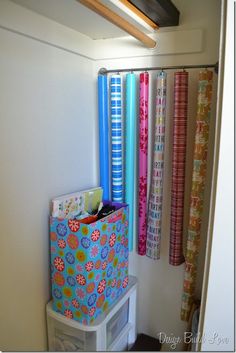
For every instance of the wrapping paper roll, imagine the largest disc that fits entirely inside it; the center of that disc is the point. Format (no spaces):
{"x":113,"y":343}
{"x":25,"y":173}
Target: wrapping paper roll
{"x":143,"y":151}
{"x":116,"y":138}
{"x":130,"y":139}
{"x":178,"y":167}
{"x":197,"y":190}
{"x":103,"y":135}
{"x":156,"y":193}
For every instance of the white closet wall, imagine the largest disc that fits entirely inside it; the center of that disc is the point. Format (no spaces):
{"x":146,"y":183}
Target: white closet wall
{"x":47,"y":134}
{"x":219,"y":319}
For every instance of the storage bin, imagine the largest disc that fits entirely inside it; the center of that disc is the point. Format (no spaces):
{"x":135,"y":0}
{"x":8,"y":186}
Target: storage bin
{"x":89,"y":264}
{"x":113,"y":330}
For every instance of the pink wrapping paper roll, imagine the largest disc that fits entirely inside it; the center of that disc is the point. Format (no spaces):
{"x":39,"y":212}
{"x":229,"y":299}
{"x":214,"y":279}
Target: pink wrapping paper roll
{"x":143,"y":150}
{"x":178,"y":167}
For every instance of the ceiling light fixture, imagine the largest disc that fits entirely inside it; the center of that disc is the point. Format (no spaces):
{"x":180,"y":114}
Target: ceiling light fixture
{"x":133,"y":12}
{"x":119,"y":21}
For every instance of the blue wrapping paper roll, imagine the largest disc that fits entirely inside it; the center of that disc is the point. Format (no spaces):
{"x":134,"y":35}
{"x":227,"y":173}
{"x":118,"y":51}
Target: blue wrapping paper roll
{"x":130,"y":156}
{"x":116,"y":138}
{"x":103,"y":135}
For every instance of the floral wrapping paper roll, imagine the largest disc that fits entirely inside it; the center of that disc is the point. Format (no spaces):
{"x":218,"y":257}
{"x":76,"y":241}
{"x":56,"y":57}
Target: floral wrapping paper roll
{"x":178,"y":167}
{"x":143,"y":151}
{"x":197,"y":191}
{"x":156,"y":194}
{"x":116,"y":138}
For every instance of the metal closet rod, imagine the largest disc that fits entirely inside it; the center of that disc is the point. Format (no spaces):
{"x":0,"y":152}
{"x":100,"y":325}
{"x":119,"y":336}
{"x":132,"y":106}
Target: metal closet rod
{"x":104,"y":71}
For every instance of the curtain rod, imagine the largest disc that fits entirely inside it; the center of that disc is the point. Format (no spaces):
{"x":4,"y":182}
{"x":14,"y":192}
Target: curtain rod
{"x":104,"y":71}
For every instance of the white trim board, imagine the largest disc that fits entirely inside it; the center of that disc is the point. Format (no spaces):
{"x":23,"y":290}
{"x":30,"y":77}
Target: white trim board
{"x":22,"y":21}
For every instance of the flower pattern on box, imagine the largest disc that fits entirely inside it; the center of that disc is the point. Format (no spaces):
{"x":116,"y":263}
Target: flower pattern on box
{"x":89,"y":265}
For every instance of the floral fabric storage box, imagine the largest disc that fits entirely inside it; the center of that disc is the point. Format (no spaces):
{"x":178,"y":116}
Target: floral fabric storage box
{"x":89,"y":264}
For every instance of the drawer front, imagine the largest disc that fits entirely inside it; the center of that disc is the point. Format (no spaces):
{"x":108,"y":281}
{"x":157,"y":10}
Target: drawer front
{"x":63,"y":338}
{"x":117,"y":323}
{"x":122,"y":345}
{"x":67,"y":343}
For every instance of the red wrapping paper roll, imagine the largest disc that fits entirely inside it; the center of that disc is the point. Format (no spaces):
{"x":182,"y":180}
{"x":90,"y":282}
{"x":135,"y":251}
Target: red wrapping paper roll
{"x":178,"y":167}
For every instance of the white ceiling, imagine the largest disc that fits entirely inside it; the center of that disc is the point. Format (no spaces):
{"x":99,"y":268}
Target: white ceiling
{"x":76,"y":16}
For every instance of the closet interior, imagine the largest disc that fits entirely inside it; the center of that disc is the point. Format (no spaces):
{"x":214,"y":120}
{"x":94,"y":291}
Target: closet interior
{"x":58,"y":61}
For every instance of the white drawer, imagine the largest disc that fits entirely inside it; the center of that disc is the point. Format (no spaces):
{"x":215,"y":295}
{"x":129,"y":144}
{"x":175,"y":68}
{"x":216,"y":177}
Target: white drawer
{"x":63,"y":338}
{"x":117,"y":323}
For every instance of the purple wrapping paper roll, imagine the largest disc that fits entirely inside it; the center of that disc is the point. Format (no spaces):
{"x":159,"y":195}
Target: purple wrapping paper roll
{"x":156,"y":193}
{"x":143,"y":151}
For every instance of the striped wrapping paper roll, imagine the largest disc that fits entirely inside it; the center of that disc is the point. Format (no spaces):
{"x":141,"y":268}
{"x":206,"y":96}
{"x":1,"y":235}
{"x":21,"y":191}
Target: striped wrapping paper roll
{"x":197,"y":190}
{"x":116,"y":139}
{"x":156,"y":194}
{"x":130,"y":153}
{"x":143,"y":151}
{"x":178,"y":167}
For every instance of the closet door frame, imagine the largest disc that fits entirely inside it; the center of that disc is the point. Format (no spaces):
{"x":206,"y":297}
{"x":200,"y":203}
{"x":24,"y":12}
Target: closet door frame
{"x":217,"y":308}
